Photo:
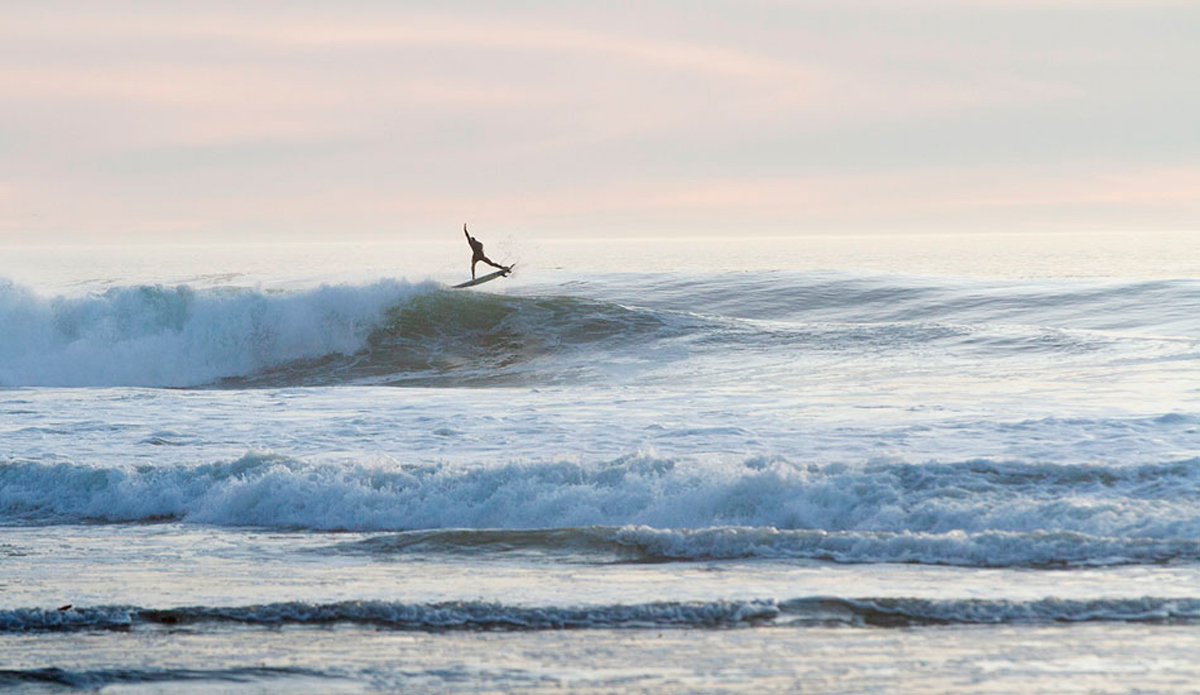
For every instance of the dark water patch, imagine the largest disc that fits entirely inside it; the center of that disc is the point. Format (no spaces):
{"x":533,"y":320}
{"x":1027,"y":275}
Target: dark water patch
{"x":452,"y":338}
{"x":170,"y":438}
{"x":912,"y":612}
{"x":476,"y":542}
{"x":98,"y":679}
{"x":1047,"y":550}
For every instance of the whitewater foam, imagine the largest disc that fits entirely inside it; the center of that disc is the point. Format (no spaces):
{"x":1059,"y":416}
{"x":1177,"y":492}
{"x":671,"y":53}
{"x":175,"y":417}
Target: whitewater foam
{"x":972,"y":513}
{"x":152,"y":335}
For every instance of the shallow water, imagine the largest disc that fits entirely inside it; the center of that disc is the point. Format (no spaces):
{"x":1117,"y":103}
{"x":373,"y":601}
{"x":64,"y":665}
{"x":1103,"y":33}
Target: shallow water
{"x":919,"y":468}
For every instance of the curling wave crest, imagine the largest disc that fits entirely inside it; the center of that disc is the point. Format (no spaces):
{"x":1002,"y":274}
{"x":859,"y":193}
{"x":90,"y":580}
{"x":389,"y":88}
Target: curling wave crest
{"x":387,"y":332}
{"x":177,"y":336}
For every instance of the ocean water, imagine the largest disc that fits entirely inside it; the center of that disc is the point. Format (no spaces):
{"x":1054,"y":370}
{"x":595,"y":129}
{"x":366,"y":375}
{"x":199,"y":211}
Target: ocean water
{"x":856,"y":464}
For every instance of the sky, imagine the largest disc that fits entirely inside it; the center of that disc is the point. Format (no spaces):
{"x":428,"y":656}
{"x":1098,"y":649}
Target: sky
{"x":129,"y":122}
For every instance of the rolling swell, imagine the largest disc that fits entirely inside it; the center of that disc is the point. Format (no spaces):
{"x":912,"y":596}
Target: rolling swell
{"x":1165,"y":307}
{"x":473,"y":615}
{"x":446,"y":338}
{"x":399,"y":333}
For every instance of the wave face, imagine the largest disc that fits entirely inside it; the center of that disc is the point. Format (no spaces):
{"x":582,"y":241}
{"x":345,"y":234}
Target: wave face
{"x":453,"y":338}
{"x":974,"y":513}
{"x":394,"y":332}
{"x":469,"y":615}
{"x":387,"y":332}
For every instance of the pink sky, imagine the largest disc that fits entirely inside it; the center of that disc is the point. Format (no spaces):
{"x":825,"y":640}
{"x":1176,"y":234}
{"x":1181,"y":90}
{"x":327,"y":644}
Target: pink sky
{"x":132,"y":121}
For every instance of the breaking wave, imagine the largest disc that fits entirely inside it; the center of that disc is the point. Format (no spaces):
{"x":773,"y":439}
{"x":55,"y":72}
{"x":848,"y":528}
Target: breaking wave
{"x":396,"y":332}
{"x":976,"y":513}
{"x":387,"y":332}
{"x":177,"y":336}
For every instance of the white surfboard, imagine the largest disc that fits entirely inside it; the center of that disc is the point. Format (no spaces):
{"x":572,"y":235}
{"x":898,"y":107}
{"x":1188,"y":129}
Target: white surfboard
{"x":485,"y":278}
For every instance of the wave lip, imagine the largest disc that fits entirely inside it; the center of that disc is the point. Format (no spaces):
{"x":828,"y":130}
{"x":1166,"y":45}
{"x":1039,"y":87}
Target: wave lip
{"x":474,"y":615}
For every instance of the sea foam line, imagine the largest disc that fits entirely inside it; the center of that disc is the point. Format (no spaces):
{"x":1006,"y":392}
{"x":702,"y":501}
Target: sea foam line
{"x":476,"y":615}
{"x":93,"y":680}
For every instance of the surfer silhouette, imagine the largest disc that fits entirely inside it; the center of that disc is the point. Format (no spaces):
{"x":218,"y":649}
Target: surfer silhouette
{"x":477,"y":253}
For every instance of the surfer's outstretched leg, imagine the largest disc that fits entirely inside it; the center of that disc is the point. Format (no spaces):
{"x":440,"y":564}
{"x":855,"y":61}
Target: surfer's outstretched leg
{"x":494,"y":264}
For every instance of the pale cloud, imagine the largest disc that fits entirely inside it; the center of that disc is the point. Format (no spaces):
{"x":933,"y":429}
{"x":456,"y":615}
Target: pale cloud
{"x":903,"y":193}
{"x":448,"y":33}
{"x":914,"y":200}
{"x":315,"y":118}
{"x":1099,"y":186}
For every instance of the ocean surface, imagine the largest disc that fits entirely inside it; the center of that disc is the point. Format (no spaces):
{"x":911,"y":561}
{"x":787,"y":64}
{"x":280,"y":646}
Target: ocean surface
{"x":826,"y":464}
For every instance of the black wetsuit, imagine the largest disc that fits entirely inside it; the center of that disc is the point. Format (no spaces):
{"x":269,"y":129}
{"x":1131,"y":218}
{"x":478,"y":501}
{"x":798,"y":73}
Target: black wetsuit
{"x":477,"y":253}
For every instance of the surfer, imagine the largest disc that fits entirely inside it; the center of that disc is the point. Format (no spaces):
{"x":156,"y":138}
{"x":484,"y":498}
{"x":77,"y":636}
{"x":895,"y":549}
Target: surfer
{"x":477,"y":253}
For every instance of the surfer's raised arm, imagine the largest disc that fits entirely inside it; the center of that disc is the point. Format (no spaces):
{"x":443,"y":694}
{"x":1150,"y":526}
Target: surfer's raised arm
{"x":466,"y":232}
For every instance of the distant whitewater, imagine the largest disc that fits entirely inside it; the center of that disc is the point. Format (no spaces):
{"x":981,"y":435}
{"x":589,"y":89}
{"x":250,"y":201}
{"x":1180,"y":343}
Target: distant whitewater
{"x":641,"y":508}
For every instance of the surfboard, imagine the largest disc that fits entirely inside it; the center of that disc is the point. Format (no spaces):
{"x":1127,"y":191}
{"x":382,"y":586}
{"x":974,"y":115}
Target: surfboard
{"x":485,"y":278}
